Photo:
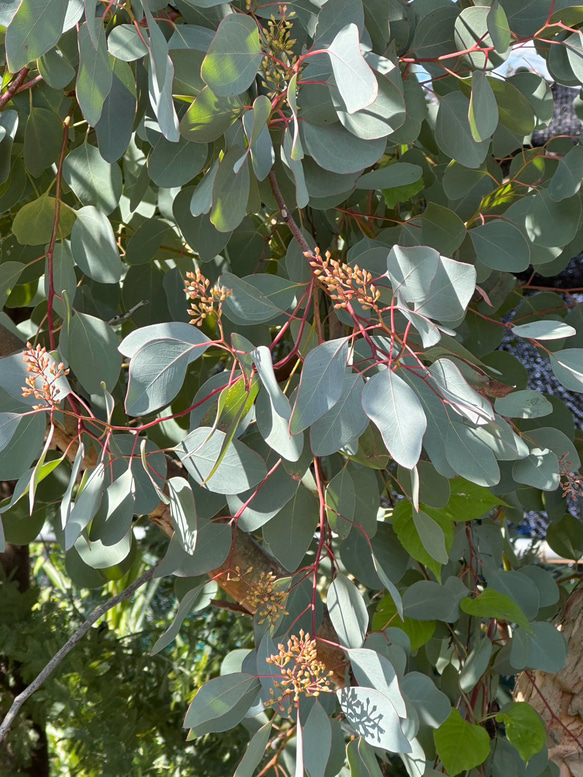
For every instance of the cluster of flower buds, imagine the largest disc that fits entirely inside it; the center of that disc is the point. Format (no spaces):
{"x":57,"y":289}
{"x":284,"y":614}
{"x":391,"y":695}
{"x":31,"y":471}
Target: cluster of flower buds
{"x":265,"y":600}
{"x":44,"y":373}
{"x":342,"y":282}
{"x":303,"y":674}
{"x":276,"y":66}
{"x":571,"y":482}
{"x":204,"y":299}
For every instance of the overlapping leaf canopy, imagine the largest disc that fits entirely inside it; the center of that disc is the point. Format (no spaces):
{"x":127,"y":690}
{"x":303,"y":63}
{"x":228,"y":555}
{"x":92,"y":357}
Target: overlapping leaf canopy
{"x":240,"y":143}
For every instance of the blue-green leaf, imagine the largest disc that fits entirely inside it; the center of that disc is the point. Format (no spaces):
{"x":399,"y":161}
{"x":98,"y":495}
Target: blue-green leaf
{"x":240,"y":469}
{"x":427,"y":601}
{"x":338,"y":150}
{"x":347,"y":612}
{"x":372,"y":715}
{"x":8,"y":425}
{"x":221,"y":703}
{"x":393,"y":406}
{"x":373,"y":670}
{"x":94,"y":246}
{"x":501,"y":246}
{"x":344,"y":422}
{"x":483,"y":113}
{"x":94,"y":77}
{"x":125,"y":42}
{"x":341,"y":503}
{"x":544,"y":330}
{"x":523,"y":404}
{"x":567,"y":178}
{"x":230,"y":192}
{"x":255,"y":751}
{"x":321,"y":383}
{"x":568,"y":368}
{"x":470,"y":456}
{"x":86,"y":505}
{"x":183,"y":512}
{"x":257,"y":299}
{"x":194,"y":600}
{"x":157,"y":371}
{"x":93,"y":353}
{"x":289,"y":534}
{"x":274,"y":410}
{"x":433,"y":706}
{"x":541,"y":647}
{"x":354,"y":78}
{"x":539,"y":469}
{"x":391,"y":177}
{"x":93,"y":180}
{"x":454,"y":134}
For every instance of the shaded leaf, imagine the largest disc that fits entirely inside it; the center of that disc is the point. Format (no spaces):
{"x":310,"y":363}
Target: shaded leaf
{"x":483,"y":113}
{"x":94,"y":77}
{"x":94,"y":246}
{"x":289,"y":534}
{"x":221,"y":703}
{"x":347,"y":612}
{"x":240,"y":469}
{"x":93,"y":353}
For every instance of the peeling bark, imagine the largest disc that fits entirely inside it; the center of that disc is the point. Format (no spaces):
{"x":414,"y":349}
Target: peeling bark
{"x":559,"y":698}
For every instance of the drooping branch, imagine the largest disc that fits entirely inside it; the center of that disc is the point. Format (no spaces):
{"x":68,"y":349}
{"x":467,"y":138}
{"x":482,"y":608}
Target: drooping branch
{"x":75,"y":638}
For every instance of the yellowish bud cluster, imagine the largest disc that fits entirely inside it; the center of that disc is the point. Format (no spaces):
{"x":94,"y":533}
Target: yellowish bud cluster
{"x":265,"y":600}
{"x":204,"y":300}
{"x":276,"y":67}
{"x":342,"y":282}
{"x":42,"y":368}
{"x":303,"y":674}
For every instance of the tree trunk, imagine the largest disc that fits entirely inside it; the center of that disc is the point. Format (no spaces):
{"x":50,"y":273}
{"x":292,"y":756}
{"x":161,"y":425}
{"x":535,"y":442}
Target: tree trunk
{"x":558,"y":698}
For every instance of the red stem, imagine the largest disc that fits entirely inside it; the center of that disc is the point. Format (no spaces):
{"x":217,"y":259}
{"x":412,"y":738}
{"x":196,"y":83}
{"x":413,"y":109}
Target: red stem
{"x":51,"y":250}
{"x":14,"y":87}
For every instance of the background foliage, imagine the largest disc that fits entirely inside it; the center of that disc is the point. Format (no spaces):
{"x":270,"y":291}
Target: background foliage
{"x":272,"y":253}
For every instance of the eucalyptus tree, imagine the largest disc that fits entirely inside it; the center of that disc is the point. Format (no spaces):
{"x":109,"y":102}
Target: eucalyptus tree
{"x":258,"y":260}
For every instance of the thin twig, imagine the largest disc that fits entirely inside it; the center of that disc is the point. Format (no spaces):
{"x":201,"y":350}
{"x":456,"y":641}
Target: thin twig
{"x":14,"y":87}
{"x":287,"y":216}
{"x":554,"y":716}
{"x":221,"y":604}
{"x":45,"y":673}
{"x":29,"y":84}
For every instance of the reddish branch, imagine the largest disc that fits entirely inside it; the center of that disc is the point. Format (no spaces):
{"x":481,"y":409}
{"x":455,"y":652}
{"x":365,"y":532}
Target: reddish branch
{"x":554,"y":717}
{"x":51,"y":250}
{"x":14,"y":87}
